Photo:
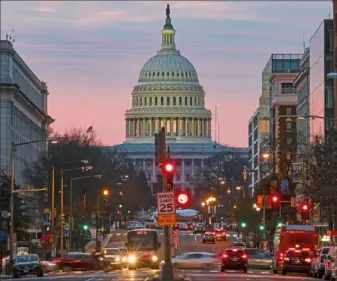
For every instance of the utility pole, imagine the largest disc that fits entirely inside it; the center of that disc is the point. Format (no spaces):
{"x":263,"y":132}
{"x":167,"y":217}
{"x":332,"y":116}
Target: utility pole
{"x":71,"y":220}
{"x":160,"y":150}
{"x":52,"y":217}
{"x":62,"y":212}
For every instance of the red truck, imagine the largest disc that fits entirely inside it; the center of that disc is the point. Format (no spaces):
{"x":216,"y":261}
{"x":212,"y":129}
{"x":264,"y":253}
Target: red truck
{"x":292,"y":236}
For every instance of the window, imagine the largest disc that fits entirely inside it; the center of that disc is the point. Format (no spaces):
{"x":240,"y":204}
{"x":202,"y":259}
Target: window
{"x":180,"y":100}
{"x":150,"y":101}
{"x":288,"y":140}
{"x":155,"y":101}
{"x":162,"y":100}
{"x":288,"y":125}
{"x":174,"y":101}
{"x":191,"y":100}
{"x":185,"y":100}
{"x":168,"y":100}
{"x":288,"y":111}
{"x":178,"y":177}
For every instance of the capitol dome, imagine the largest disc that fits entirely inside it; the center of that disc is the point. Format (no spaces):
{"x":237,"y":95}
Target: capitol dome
{"x":168,"y":94}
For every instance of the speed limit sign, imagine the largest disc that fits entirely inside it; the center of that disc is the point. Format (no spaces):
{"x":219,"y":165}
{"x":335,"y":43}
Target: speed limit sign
{"x":166,"y":203}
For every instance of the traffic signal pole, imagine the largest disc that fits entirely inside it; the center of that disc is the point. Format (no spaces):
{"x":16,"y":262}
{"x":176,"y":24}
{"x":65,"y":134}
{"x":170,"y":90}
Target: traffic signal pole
{"x":167,"y":269}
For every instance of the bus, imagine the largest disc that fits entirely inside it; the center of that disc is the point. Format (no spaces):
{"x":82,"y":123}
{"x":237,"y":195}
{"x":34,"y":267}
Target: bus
{"x":292,"y":236}
{"x":143,"y":248}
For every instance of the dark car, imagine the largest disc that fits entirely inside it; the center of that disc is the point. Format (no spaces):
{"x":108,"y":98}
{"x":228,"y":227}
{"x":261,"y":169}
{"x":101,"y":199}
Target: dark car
{"x":208,"y":237}
{"x":27,"y":265}
{"x":296,"y":261}
{"x":199,"y":228}
{"x":234,"y":259}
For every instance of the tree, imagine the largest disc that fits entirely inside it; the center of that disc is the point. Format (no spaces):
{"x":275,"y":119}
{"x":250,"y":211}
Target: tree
{"x":320,"y":169}
{"x":220,"y":175}
{"x":21,"y":221}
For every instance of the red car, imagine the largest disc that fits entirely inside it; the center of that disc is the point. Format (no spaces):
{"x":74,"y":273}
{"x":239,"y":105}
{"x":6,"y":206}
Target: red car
{"x":76,"y":261}
{"x":220,"y":234}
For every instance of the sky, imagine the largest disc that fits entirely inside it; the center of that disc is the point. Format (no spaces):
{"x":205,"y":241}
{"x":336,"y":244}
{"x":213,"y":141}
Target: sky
{"x":90,"y":53}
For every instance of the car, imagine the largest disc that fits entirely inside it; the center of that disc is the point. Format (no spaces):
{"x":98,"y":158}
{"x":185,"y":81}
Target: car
{"x":318,"y":264}
{"x":27,"y":265}
{"x":208,"y":237}
{"x":199,"y":228}
{"x":296,"y":260}
{"x":239,"y":245}
{"x":76,"y":261}
{"x":234,"y":259}
{"x":196,"y":260}
{"x":110,"y":259}
{"x":220,"y":234}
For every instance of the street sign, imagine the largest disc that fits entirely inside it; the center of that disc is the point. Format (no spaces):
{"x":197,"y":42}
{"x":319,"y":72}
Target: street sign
{"x":3,"y":236}
{"x":166,"y":203}
{"x":167,"y":220}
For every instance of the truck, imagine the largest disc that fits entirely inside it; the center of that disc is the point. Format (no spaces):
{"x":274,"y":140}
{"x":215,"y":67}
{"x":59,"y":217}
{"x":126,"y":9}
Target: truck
{"x":292,"y":236}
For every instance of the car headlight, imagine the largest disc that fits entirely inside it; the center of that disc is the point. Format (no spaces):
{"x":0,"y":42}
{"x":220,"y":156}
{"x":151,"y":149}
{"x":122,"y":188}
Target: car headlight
{"x":118,"y":258}
{"x":124,"y":259}
{"x":154,"y":258}
{"x":100,"y":258}
{"x":132,"y":259}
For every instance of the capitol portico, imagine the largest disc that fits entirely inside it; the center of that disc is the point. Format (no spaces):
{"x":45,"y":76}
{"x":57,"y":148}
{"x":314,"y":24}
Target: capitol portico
{"x":168,"y":94}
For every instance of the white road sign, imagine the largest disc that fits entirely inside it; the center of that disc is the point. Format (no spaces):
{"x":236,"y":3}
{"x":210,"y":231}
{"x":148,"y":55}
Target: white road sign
{"x":166,"y":203}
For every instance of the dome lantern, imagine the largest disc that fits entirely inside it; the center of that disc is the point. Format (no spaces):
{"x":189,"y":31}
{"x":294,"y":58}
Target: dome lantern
{"x":168,"y":33}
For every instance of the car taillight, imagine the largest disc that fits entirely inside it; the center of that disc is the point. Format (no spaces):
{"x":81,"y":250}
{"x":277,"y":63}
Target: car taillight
{"x":225,"y":256}
{"x":286,"y":258}
{"x":308,"y":260}
{"x":244,"y":256}
{"x":56,"y":260}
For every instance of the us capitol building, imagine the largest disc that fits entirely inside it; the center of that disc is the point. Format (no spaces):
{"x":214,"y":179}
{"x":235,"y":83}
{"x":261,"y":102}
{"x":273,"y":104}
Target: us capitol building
{"x":168,"y":94}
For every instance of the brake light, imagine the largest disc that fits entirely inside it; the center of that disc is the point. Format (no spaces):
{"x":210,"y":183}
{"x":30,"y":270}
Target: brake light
{"x":306,"y":249}
{"x":56,"y":260}
{"x":286,"y":258}
{"x":244,"y":256}
{"x":225,"y":256}
{"x":308,"y":260}
{"x":234,"y":250}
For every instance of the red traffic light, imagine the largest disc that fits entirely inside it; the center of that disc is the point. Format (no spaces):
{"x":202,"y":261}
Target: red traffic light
{"x":275,"y":199}
{"x":168,"y":167}
{"x":305,"y":207}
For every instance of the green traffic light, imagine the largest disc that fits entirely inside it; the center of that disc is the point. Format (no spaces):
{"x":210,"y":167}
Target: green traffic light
{"x":129,"y":212}
{"x":279,"y":224}
{"x":85,"y":227}
{"x":261,"y":227}
{"x":120,"y":206}
{"x":243,"y":224}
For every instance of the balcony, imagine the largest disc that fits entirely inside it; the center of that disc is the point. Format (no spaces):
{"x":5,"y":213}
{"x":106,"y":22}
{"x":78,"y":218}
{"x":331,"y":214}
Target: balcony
{"x":284,"y":99}
{"x":289,"y":91}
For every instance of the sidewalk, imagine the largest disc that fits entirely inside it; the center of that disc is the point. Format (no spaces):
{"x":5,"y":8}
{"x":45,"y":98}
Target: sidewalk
{"x":5,"y":277}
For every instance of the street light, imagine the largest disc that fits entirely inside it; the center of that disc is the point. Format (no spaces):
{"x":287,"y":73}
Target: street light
{"x":265,"y":155}
{"x":11,"y":203}
{"x":203,"y":204}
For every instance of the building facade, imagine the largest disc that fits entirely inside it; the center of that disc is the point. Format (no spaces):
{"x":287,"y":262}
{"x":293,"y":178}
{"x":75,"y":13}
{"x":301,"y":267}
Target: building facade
{"x":321,"y":88}
{"x":302,"y":85}
{"x":169,"y":95}
{"x":273,"y":91}
{"x":23,"y":117}
{"x":253,"y":150}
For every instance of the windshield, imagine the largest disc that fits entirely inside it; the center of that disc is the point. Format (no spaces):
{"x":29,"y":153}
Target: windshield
{"x":110,"y":252}
{"x":142,"y":240}
{"x":27,"y":258}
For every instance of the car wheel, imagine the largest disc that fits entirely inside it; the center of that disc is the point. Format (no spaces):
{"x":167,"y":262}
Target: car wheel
{"x":283,"y":272}
{"x":222,"y":269}
{"x":245,"y":270}
{"x":40,"y":275}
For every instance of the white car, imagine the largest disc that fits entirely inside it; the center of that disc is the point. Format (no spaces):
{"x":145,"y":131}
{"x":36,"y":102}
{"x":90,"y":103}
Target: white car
{"x":196,"y":260}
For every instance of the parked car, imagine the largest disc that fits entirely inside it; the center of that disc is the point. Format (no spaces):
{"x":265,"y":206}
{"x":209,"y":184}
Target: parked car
{"x":27,"y":265}
{"x":318,"y":264}
{"x":328,"y":264}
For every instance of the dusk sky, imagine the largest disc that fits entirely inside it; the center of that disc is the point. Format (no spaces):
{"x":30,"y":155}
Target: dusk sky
{"x":90,"y":53}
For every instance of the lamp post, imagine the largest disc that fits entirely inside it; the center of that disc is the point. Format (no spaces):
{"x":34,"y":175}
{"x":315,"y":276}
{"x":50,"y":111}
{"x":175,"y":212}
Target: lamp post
{"x":105,"y":193}
{"x":62,"y":171}
{"x":11,"y":202}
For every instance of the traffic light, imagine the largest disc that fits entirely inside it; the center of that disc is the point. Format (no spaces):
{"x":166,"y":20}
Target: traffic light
{"x":168,"y":170}
{"x":85,"y":227}
{"x":305,"y":211}
{"x":120,"y":206}
{"x":261,"y":227}
{"x":183,"y":199}
{"x":275,"y":201}
{"x":243,"y":224}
